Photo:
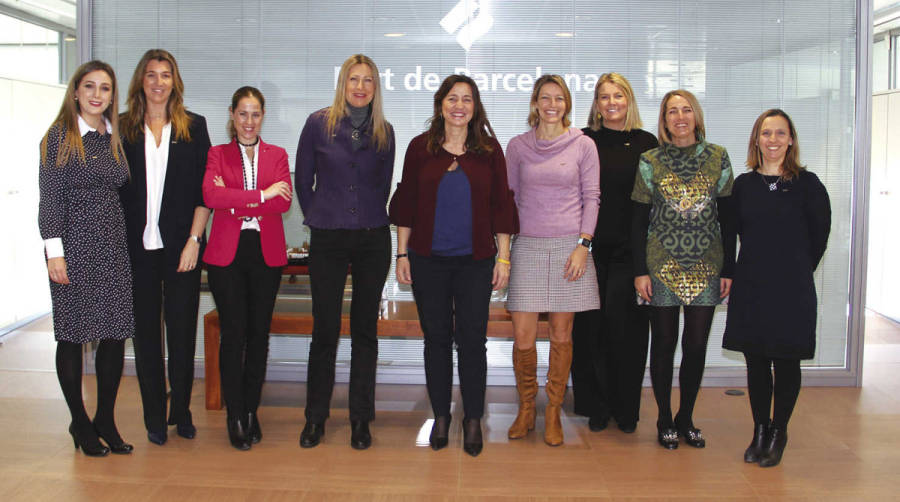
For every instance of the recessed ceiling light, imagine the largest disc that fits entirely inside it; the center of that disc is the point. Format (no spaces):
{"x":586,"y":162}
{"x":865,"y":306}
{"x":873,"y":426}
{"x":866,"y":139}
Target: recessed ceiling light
{"x":565,"y":34}
{"x":395,"y":35}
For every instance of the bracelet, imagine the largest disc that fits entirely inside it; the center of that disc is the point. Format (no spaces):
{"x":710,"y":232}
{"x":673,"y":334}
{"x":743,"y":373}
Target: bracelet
{"x":402,"y":255}
{"x":195,"y":238}
{"x":505,"y":262}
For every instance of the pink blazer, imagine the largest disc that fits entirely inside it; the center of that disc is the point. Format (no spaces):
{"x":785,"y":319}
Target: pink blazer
{"x":225,"y":161}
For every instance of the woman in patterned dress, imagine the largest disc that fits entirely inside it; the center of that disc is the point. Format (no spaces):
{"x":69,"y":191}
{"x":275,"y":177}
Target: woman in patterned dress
{"x":681,"y":191}
{"x":81,"y":222}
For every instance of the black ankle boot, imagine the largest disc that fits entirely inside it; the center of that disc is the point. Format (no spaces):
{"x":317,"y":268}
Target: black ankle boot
{"x":472,"y":442}
{"x":360,"y":436}
{"x":776,"y":440}
{"x":440,"y":433}
{"x":237,"y":434}
{"x":754,"y":451}
{"x":254,"y":432}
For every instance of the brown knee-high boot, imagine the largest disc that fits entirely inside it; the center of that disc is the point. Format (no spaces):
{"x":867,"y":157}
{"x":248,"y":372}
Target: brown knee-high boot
{"x":557,"y":377}
{"x":525,"y":366}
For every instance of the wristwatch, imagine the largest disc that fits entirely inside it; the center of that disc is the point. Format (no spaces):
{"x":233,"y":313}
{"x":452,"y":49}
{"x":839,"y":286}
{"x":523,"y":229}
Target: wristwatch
{"x":586,"y":243}
{"x":195,"y":238}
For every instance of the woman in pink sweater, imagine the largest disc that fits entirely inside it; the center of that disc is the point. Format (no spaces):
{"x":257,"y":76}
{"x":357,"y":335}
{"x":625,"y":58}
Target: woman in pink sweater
{"x":555,"y":173}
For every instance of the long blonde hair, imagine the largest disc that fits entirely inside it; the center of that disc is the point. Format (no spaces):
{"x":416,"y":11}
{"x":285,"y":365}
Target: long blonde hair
{"x":133,"y":118}
{"x":632,"y":114}
{"x":381,"y":129}
{"x":67,"y":118}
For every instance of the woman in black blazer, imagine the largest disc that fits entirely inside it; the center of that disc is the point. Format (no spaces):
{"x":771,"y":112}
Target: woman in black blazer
{"x":166,"y":147}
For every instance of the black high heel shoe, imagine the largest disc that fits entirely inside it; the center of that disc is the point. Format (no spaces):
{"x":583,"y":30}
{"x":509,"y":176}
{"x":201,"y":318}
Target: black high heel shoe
{"x":237,"y":434}
{"x":693,"y":437}
{"x":776,"y":440}
{"x":472,"y":442}
{"x":115,"y":442}
{"x":440,"y":433}
{"x":88,"y":441}
{"x":754,"y":451}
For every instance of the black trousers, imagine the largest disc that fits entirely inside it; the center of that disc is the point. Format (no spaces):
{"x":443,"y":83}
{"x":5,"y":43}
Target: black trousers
{"x":245,"y":294}
{"x":610,"y":344}
{"x":162,"y":293}
{"x":368,"y":253}
{"x":453,"y":296}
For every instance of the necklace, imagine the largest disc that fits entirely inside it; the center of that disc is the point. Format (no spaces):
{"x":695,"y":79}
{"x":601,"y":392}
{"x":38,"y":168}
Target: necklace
{"x":772,"y":186}
{"x":248,"y":145}
{"x":251,"y":183}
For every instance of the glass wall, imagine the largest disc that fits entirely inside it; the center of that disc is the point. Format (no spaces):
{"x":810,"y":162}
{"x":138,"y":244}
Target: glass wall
{"x":739,"y":58}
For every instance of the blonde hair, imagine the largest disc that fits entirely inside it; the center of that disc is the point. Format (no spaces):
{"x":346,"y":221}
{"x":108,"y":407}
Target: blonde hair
{"x":791,"y":166}
{"x":632,"y":115}
{"x":699,"y":127}
{"x":133,"y":118}
{"x":67,"y":118}
{"x":533,"y":117}
{"x":381,"y":132}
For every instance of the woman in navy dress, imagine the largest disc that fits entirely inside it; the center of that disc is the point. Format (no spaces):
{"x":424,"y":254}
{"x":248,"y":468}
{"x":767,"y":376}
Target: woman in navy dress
{"x":783,"y":217}
{"x":81,"y":222}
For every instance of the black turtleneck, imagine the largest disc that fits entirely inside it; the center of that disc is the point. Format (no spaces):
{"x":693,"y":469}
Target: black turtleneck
{"x":619,"y":153}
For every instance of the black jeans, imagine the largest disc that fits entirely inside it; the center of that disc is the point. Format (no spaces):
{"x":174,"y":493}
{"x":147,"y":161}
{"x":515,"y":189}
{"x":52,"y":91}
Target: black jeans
{"x":161,"y":292}
{"x":245,"y":294}
{"x":610,"y":344}
{"x":453,"y":295}
{"x":368,"y":254}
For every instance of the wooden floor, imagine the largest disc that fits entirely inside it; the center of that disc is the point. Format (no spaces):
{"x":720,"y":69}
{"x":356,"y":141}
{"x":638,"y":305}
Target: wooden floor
{"x":843,"y":446}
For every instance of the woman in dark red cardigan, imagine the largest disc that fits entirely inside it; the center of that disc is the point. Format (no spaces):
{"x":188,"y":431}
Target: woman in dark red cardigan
{"x":248,"y":185}
{"x":452,"y":201}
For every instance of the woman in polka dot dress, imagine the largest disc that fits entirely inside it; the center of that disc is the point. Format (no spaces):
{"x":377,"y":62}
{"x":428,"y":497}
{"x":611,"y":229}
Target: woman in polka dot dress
{"x":81,"y":222}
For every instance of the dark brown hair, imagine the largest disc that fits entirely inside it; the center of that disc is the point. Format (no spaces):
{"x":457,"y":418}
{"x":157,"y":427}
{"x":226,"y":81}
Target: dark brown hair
{"x":479,"y":127}
{"x":243,"y":92}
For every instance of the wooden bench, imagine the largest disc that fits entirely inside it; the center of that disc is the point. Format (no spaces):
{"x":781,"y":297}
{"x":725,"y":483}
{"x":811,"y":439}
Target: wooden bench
{"x":294,"y":317}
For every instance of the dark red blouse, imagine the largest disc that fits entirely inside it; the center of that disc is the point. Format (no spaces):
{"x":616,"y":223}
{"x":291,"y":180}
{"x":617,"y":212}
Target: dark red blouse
{"x":493,"y":207}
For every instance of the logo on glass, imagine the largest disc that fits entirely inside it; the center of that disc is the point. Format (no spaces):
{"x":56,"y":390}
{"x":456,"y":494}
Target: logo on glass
{"x":475,"y":18}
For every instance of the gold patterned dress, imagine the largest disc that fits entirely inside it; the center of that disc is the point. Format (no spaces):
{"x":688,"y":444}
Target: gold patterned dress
{"x":684,"y":242}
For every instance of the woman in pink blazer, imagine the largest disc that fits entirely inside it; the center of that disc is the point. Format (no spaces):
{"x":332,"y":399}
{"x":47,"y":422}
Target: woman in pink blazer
{"x":248,"y":185}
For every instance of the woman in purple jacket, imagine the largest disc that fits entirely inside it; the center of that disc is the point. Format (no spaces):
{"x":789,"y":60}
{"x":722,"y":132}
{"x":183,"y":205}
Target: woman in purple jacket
{"x":345,"y":161}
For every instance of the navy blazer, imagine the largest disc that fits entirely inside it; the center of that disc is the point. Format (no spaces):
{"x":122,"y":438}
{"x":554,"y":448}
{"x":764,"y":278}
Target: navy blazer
{"x":182,"y":190}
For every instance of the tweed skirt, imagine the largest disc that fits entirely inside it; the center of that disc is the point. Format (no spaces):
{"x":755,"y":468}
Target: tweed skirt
{"x":537,"y":282}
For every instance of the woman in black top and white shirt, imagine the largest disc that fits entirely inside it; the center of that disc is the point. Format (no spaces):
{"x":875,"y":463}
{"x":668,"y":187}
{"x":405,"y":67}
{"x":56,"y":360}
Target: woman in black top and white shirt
{"x":165,"y":217}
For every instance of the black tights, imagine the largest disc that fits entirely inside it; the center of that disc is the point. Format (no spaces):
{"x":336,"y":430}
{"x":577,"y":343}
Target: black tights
{"x":109,"y":361}
{"x":664,"y":339}
{"x":760,"y":387}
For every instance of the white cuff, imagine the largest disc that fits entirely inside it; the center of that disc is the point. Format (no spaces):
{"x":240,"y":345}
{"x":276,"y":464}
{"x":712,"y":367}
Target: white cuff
{"x":54,"y":247}
{"x":262,"y":197}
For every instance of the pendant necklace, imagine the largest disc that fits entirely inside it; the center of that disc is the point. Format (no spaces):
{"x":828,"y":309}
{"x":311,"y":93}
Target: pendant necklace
{"x":772,"y":186}
{"x":251,"y":183}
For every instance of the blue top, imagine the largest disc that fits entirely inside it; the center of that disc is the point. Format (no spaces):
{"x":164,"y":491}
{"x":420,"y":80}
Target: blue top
{"x":351,"y":187}
{"x":453,"y":216}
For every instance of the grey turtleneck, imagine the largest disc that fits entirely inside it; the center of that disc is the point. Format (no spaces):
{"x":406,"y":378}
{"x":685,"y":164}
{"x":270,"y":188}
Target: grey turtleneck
{"x":358,"y":118}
